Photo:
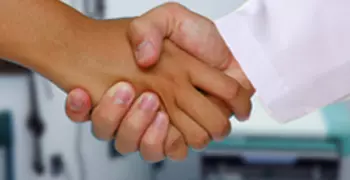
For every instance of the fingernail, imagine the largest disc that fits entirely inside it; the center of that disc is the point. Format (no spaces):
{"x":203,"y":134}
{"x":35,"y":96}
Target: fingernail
{"x":123,"y":93}
{"x":144,"y":51}
{"x":75,"y":103}
{"x":148,"y":102}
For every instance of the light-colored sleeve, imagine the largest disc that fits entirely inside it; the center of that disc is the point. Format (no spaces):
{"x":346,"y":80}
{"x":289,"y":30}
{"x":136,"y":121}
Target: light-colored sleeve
{"x":296,"y":53}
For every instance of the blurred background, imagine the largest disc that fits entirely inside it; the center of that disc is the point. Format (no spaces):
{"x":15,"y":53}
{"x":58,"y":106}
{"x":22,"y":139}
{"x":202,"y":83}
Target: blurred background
{"x":37,"y":140}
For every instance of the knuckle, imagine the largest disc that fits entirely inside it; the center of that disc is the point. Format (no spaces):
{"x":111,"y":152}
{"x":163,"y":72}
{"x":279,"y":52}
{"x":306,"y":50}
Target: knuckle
{"x":245,"y":111}
{"x":135,"y":24}
{"x":100,"y":116}
{"x":136,"y":30}
{"x":225,"y":110}
{"x":212,"y":25}
{"x":200,"y":140}
{"x":100,"y":135}
{"x":174,"y":144}
{"x":222,"y":129}
{"x":120,"y":149}
{"x":96,"y":135}
{"x":151,"y":149}
{"x":125,"y":145}
{"x":152,"y":158}
{"x":151,"y":144}
{"x":102,"y":125}
{"x":173,"y":6}
{"x":133,"y":127}
{"x":179,"y":156}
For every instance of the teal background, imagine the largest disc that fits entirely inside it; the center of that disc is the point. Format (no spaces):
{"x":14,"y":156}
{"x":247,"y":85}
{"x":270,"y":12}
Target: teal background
{"x":337,"y":120}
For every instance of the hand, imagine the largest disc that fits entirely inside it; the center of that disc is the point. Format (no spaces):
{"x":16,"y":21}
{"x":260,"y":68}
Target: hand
{"x":172,"y":72}
{"x":192,"y":32}
{"x":206,"y":43}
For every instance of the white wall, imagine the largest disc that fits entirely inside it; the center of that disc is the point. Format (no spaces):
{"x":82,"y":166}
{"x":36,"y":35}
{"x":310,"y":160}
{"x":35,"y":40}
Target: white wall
{"x":14,"y":97}
{"x":60,"y":137}
{"x":210,"y":8}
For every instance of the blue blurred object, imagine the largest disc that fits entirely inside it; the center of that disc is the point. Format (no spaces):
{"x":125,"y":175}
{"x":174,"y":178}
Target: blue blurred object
{"x":270,"y":159}
{"x":337,"y":118}
{"x":6,"y":142}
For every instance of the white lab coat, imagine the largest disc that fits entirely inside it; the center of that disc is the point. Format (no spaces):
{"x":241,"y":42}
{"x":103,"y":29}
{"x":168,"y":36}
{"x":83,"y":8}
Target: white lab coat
{"x":295,"y":52}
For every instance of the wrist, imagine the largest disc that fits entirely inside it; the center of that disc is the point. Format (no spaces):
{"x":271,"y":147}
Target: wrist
{"x":96,"y":40}
{"x":42,"y":35}
{"x":54,"y":53}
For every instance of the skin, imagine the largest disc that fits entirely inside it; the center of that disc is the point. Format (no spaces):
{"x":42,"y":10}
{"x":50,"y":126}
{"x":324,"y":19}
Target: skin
{"x":174,"y":79}
{"x":196,"y":35}
{"x":74,"y":51}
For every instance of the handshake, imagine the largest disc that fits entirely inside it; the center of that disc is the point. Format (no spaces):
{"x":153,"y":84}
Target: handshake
{"x":158,"y":83}
{"x":166,"y":81}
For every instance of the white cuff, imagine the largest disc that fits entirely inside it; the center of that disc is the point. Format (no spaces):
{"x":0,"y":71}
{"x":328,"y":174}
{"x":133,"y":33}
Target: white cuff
{"x":246,"y":49}
{"x":283,"y":100}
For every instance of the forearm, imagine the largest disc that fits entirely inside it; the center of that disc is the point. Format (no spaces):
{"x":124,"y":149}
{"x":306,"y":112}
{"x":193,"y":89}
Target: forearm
{"x":35,"y":33}
{"x":62,"y":44}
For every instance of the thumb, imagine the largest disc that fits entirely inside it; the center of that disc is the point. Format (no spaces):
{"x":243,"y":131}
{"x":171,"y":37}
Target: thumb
{"x":192,"y":32}
{"x":78,"y":105}
{"x":146,"y":35}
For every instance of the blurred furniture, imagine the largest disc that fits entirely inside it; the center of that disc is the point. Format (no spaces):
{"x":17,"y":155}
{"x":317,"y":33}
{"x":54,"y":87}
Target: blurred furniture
{"x":14,"y":107}
{"x":6,"y":146}
{"x":313,"y":147}
{"x":7,"y":67}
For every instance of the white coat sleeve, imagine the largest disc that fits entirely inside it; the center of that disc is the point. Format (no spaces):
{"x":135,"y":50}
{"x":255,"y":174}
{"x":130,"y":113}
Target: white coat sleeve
{"x":296,"y":53}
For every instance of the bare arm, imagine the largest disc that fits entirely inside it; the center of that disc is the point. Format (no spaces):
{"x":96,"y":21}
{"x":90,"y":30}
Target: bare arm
{"x":33,"y":31}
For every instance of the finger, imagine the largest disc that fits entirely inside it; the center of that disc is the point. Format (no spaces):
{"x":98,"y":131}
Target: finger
{"x":113,"y":106}
{"x":192,"y":32}
{"x":175,"y":146}
{"x":241,"y":105}
{"x":152,"y":143}
{"x":213,"y":81}
{"x":225,"y":110}
{"x":222,"y":86}
{"x":136,"y":122}
{"x":234,"y":70}
{"x":195,"y":135}
{"x":78,"y":105}
{"x":204,"y":112}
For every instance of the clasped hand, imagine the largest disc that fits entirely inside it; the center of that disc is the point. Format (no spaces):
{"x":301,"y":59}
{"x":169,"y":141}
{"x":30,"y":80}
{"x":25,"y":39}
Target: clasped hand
{"x":184,"y":100}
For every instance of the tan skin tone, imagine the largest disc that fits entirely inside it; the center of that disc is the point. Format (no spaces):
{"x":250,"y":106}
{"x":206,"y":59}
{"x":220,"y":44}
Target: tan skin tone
{"x":87,"y":62}
{"x":174,"y":79}
{"x":195,"y":34}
